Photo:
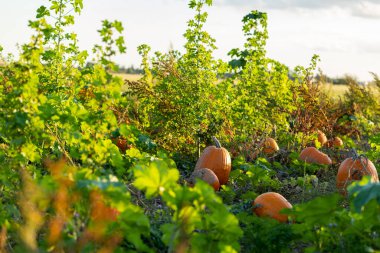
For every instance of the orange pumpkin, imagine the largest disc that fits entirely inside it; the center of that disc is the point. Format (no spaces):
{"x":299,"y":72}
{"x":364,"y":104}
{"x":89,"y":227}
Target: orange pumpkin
{"x":322,"y":138}
{"x":313,"y":155}
{"x":270,"y":146}
{"x":217,"y":159}
{"x":206,"y":175}
{"x":353,"y":169}
{"x":337,"y":142}
{"x":270,"y":204}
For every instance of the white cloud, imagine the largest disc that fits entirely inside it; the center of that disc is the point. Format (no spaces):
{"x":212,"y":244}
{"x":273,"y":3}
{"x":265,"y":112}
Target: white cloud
{"x":368,"y":47}
{"x":367,"y":9}
{"x":359,"y":8}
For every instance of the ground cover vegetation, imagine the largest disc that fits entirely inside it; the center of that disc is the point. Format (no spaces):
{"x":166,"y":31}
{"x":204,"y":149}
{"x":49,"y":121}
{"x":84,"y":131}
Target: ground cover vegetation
{"x":199,"y":155}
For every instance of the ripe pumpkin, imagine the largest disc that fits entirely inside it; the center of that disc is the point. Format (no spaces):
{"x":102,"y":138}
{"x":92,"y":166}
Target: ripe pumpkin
{"x":270,"y":146}
{"x":322,"y":138}
{"x":313,"y":155}
{"x":270,"y":204}
{"x":353,"y":169}
{"x":206,"y":175}
{"x":337,"y":142}
{"x":217,"y":159}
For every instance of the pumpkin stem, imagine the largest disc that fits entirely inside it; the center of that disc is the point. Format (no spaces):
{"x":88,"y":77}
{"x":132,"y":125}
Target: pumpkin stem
{"x":217,"y":142}
{"x":365,"y":166}
{"x":354,"y":154}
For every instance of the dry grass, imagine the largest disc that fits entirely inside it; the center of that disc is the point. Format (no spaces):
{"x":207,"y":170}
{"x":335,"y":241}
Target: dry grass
{"x":336,"y":91}
{"x":130,"y":77}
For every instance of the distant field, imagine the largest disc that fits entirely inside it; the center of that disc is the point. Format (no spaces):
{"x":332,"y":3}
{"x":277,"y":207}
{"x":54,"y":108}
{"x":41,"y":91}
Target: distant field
{"x":130,"y":77}
{"x":333,"y":90}
{"x":339,"y":90}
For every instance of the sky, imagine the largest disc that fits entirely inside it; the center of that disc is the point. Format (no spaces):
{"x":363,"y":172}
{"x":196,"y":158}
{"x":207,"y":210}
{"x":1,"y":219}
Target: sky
{"x":344,"y":33}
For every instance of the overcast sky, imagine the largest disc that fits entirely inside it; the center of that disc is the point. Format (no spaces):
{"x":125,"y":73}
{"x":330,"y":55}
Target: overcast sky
{"x":345,"y":33}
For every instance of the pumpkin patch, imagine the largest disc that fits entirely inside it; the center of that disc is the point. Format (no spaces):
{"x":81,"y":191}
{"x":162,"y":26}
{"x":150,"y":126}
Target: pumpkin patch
{"x":96,"y":156}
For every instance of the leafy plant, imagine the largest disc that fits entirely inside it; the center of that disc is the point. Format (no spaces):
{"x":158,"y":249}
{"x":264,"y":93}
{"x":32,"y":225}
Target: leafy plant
{"x":200,"y":221}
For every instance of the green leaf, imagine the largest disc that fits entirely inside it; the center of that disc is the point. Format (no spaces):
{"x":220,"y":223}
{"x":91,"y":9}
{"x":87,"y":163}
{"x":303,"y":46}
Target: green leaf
{"x":48,"y":55}
{"x":363,"y":192}
{"x":55,"y":6}
{"x":78,"y":5}
{"x":116,"y":158}
{"x":192,"y":4}
{"x":209,"y":2}
{"x":31,"y":152}
{"x":129,"y":132}
{"x":42,"y":11}
{"x":121,"y":44}
{"x":118,"y":26}
{"x":316,"y":211}
{"x":133,"y":153}
{"x":69,"y":20}
{"x":155,"y":177}
{"x":133,"y":219}
{"x":21,"y":119}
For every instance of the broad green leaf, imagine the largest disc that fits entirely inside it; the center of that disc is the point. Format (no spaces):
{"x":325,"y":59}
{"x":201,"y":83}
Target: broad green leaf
{"x":31,"y":152}
{"x":318,"y":210}
{"x":42,"y":11}
{"x":363,"y":192}
{"x":155,"y":177}
{"x":133,"y":153}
